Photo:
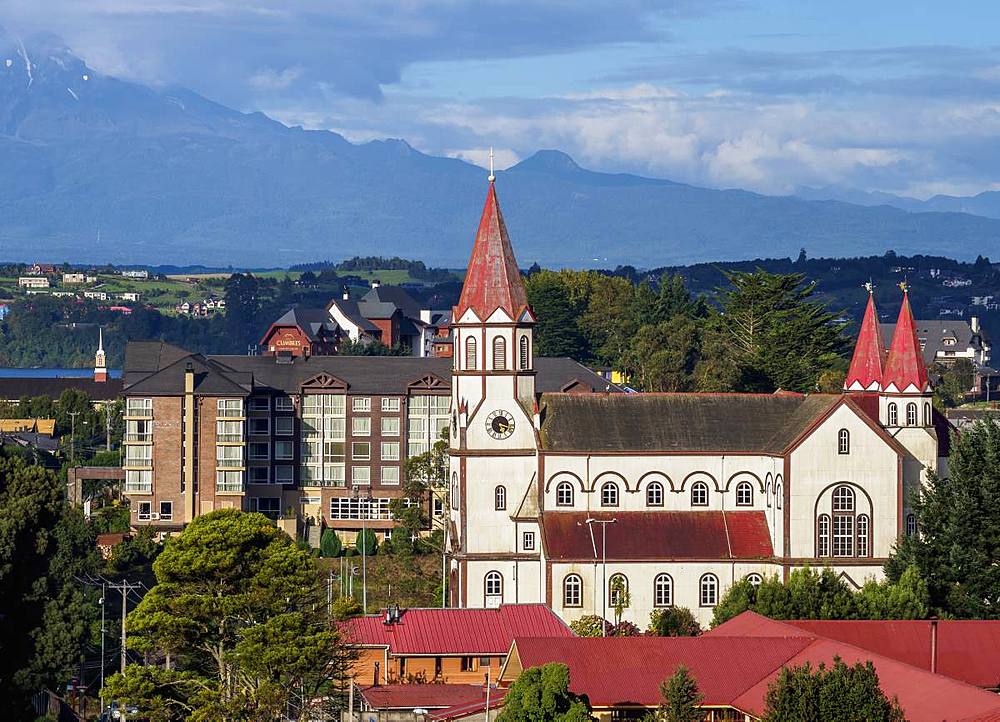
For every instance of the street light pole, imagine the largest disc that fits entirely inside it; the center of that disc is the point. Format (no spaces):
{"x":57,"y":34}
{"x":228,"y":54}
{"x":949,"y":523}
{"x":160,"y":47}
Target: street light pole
{"x":364,"y":544}
{"x":103,"y":630}
{"x":604,"y":566}
{"x":72,"y":435}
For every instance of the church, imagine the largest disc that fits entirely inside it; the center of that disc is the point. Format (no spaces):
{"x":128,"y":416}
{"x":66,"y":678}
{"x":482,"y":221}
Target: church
{"x":582,"y":501}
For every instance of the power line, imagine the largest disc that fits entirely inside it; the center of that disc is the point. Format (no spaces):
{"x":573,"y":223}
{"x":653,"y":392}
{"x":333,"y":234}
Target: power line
{"x":124,"y":587}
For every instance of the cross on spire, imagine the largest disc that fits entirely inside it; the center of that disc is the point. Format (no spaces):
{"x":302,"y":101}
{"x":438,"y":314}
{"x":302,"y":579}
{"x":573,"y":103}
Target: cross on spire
{"x":492,"y":177}
{"x":870,"y":287}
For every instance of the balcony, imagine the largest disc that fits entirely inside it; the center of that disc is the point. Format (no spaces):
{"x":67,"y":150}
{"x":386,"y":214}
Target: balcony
{"x":229,"y":438}
{"x":229,"y":463}
{"x":229,"y":487}
{"x":231,"y":414}
{"x":138,"y":412}
{"x":139,"y":438}
{"x":138,"y":487}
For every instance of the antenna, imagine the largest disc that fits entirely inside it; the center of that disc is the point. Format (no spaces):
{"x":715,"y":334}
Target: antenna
{"x":492,"y":177}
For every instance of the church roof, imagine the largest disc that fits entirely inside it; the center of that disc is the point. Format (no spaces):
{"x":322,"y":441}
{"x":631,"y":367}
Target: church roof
{"x":865,"y":373}
{"x":493,"y":279}
{"x":905,"y":367}
{"x":668,"y":423}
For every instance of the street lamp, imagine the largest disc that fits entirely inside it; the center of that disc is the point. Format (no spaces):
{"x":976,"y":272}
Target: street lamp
{"x":590,"y":521}
{"x":364,"y":542}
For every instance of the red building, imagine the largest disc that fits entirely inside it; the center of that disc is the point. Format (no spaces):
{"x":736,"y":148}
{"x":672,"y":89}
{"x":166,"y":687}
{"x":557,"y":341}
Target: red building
{"x":302,"y":332}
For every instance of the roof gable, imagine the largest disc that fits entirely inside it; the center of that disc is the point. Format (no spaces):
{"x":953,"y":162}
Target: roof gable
{"x":325,"y":382}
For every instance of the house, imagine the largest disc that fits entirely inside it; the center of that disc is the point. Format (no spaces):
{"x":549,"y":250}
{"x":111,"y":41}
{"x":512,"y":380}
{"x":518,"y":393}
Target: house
{"x":417,"y":702}
{"x":948,"y":341}
{"x":33,"y":282}
{"x":74,"y":278}
{"x":96,"y":295}
{"x":302,"y":332}
{"x":140,"y":275}
{"x":443,"y":646}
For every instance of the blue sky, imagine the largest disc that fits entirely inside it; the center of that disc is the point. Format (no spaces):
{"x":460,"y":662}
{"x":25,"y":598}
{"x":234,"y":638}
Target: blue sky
{"x":770,"y":95}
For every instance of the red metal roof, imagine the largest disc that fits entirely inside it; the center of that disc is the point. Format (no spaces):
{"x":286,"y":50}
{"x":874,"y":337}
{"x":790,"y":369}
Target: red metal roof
{"x":660,"y":535}
{"x":426,"y":696}
{"x":905,"y":367}
{"x":467,"y":709}
{"x":865,"y":373}
{"x":493,"y":279}
{"x":454,"y":632}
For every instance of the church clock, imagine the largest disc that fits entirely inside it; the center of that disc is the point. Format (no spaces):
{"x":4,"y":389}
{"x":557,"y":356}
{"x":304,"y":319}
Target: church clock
{"x":500,"y":424}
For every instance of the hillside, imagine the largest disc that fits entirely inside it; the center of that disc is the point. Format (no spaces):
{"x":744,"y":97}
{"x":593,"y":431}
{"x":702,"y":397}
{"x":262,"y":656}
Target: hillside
{"x":102,"y":170}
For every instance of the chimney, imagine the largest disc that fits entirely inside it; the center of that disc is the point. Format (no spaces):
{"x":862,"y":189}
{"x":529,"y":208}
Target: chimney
{"x":934,"y":644}
{"x":974,"y":322}
{"x":376,"y":283}
{"x":347,"y":294}
{"x":375,"y":681}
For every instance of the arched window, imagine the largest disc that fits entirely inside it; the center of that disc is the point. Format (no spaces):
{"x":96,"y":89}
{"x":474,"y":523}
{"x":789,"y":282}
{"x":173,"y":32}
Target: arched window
{"x":911,"y":524}
{"x":823,"y":536}
{"x":699,"y":494}
{"x":843,"y":499}
{"x":928,"y":418}
{"x":843,"y":441}
{"x":609,"y":494}
{"x":767,"y":494}
{"x":564,"y":494}
{"x":523,"y":353}
{"x":911,"y":414}
{"x":755,"y":579}
{"x":470,"y":353}
{"x":843,"y":522}
{"x":500,"y":498}
{"x":863,"y":531}
{"x":499,"y":353}
{"x":777,"y":495}
{"x":654,"y":494}
{"x":708,"y":590}
{"x":744,"y":494}
{"x":493,"y":584}
{"x":893,"y":415}
{"x":572,"y":591}
{"x":663,"y":591}
{"x":618,"y":590}
{"x":454,"y":488}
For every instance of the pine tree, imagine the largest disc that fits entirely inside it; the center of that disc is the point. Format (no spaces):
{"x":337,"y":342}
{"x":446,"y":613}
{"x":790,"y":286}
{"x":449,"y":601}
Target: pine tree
{"x":679,"y":698}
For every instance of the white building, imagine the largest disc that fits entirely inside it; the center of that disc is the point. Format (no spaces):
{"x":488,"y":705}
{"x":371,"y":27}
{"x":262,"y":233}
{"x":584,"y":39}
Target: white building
{"x":555,"y":494}
{"x":33,"y":282}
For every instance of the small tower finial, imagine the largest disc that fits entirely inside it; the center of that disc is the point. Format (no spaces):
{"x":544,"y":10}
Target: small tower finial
{"x":870,"y":287}
{"x":904,"y":286}
{"x":100,"y":339}
{"x":492,"y":176}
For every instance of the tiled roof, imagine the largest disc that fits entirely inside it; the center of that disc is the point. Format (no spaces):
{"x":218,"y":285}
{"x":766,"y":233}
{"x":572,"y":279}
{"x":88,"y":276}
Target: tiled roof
{"x":865,"y":372}
{"x":905,"y":367}
{"x":426,"y":696}
{"x":453,"y":632}
{"x":660,"y":535}
{"x":493,"y":279}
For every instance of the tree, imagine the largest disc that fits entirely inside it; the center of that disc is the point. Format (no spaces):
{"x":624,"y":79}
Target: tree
{"x":366,"y":542}
{"x":590,"y":625}
{"x":621,"y":597}
{"x":556,"y":332}
{"x":541,"y":694}
{"x":679,"y":699}
{"x":239,"y":613}
{"x":44,"y":546}
{"x":906,"y":598}
{"x":662,"y":356}
{"x":959,"y":529}
{"x":329,"y":544}
{"x":957,"y":379}
{"x":851,"y":694}
{"x":426,"y":477}
{"x":673,"y":622}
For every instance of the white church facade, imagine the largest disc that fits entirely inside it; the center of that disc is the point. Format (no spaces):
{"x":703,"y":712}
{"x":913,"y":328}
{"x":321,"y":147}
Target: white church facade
{"x":554,"y":495}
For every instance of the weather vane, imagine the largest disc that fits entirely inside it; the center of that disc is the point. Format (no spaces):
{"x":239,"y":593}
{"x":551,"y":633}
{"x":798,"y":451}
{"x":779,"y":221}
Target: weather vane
{"x":904,"y":286}
{"x":870,"y":287}
{"x":492,"y":177}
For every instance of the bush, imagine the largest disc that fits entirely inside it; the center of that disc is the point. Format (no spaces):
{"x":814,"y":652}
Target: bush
{"x":366,"y":542}
{"x":330,"y":544}
{"x":345,"y":607}
{"x":590,"y":625}
{"x":624,"y":628}
{"x":673,"y":622}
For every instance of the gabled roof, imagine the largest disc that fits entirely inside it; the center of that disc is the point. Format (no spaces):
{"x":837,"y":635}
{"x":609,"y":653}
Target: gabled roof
{"x":905,"y":368}
{"x":211,"y":378}
{"x":396,"y":296}
{"x":493,"y":279}
{"x":933,"y":332}
{"x":868,"y":361}
{"x":455,"y":632}
{"x":313,"y":322}
{"x":659,"y":535}
{"x":350,"y":309}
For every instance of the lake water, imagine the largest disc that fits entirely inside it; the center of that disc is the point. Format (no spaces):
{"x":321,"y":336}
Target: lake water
{"x":12,"y":373}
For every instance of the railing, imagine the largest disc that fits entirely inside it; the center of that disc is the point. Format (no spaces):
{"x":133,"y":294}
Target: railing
{"x":230,"y":413}
{"x":148,"y":436}
{"x":229,"y":463}
{"x":229,"y":486}
{"x":229,"y":438}
{"x":139,"y":487}
{"x":138,"y":412}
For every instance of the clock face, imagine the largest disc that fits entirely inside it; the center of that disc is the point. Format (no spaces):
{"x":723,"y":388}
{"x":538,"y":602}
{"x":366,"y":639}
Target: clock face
{"x":500,"y":424}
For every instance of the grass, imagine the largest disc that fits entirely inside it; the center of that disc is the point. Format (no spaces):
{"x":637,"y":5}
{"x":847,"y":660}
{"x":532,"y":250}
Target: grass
{"x":408,"y":580}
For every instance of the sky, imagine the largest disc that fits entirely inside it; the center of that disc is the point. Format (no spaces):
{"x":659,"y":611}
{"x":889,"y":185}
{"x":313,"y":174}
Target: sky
{"x":768,"y":95}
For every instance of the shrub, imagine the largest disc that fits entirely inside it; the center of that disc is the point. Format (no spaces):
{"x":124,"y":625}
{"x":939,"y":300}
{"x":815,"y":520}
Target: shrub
{"x":366,"y":542}
{"x":673,"y":622}
{"x":330,"y":544}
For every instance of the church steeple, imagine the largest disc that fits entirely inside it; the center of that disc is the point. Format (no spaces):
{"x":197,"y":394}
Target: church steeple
{"x":100,"y":360}
{"x":905,"y":370}
{"x":868,"y":361}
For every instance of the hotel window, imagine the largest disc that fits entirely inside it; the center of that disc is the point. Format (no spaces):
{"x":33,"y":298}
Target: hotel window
{"x":260,"y":474}
{"x":426,"y":417}
{"x":911,"y":524}
{"x":144,"y":510}
{"x":744,"y":494}
{"x":260,"y":403}
{"x":230,"y":408}
{"x":500,"y":498}
{"x":493,"y":586}
{"x":259,"y":451}
{"x":361,"y":426}
{"x":269,"y":506}
{"x":699,"y":494}
{"x":893,"y":415}
{"x":523,"y":352}
{"x":470,"y":353}
{"x":361,"y":403}
{"x":663,"y":591}
{"x":361,"y":475}
{"x":143,"y":455}
{"x":911,"y":414}
{"x":390,"y":451}
{"x":528,"y":541}
{"x":843,"y":441}
{"x":284,"y":425}
{"x":361,"y":451}
{"x":140,"y":408}
{"x":352,"y":507}
{"x":390,"y":475}
{"x":390,"y":426}
{"x":823,"y":536}
{"x":755,"y":579}
{"x":564,"y":494}
{"x":258,"y":427}
{"x":609,"y":494}
{"x":166,"y":510}
{"x":499,"y":353}
{"x":138,"y":430}
{"x":284,"y":474}
{"x":390,"y":406}
{"x":283,"y":403}
{"x":284,"y":450}
{"x":708,"y":591}
{"x":654,"y":494}
{"x":140,"y":481}
{"x":618,"y":590}
{"x":572,"y":591}
{"x":228,"y":432}
{"x":228,"y":481}
{"x":323,"y":434}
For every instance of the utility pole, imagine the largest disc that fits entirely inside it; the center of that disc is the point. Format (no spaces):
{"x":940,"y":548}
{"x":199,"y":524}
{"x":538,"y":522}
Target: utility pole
{"x":590,"y":521}
{"x":124,"y":587}
{"x":364,"y":544}
{"x":72,"y":435}
{"x":103,"y":631}
{"x":107,"y":425}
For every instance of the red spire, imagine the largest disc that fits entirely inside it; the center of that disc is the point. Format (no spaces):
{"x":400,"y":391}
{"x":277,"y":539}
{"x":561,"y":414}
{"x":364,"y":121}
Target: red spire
{"x":905,"y":369}
{"x":868,"y":361}
{"x":493,"y":279}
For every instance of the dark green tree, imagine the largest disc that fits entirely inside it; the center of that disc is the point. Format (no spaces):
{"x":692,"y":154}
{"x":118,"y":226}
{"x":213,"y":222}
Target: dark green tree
{"x":680,"y":699}
{"x":674,"y":622}
{"x":840,"y":692}
{"x":957,"y":379}
{"x":329,"y":544}
{"x":541,"y":694}
{"x":557,"y":332}
{"x":426,"y":475}
{"x":366,"y":542}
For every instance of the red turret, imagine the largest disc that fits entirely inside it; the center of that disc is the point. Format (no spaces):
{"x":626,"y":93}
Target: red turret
{"x":493,"y":279}
{"x":868,"y":361}
{"x":905,"y":370}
